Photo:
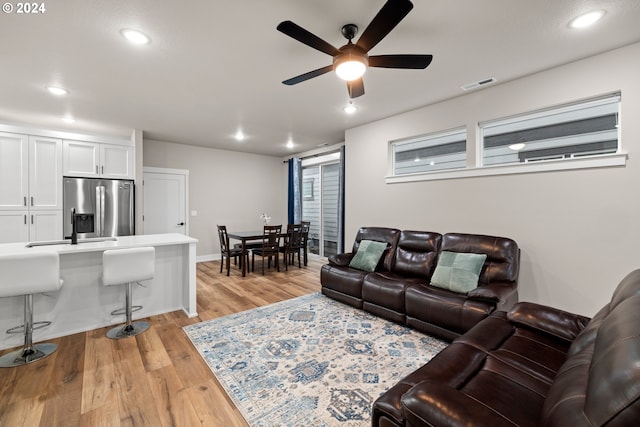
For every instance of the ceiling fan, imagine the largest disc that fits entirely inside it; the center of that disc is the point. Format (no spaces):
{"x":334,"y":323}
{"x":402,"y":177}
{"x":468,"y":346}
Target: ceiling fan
{"x":351,"y":60}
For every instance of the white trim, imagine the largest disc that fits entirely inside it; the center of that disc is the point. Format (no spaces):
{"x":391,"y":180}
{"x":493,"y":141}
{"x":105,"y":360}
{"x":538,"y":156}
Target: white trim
{"x":600,"y":161}
{"x":166,"y":170}
{"x":66,"y":135}
{"x":209,"y":257}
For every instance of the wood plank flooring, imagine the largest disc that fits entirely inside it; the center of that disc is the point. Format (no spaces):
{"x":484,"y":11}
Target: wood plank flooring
{"x":154,"y":379}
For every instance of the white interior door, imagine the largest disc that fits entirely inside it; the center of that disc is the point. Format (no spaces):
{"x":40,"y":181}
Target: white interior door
{"x":165,"y":202}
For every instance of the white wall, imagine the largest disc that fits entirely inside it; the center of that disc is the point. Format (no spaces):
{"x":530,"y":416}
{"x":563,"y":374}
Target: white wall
{"x":578,"y":230}
{"x":225,"y":187}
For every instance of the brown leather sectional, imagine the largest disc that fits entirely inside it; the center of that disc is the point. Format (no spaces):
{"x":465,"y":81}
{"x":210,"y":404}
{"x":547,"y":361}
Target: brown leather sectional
{"x":399,"y":289}
{"x":531,"y":366}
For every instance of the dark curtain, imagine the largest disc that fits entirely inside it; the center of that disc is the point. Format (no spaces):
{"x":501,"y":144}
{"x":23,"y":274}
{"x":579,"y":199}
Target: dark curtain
{"x":295,"y":191}
{"x":341,"y":203}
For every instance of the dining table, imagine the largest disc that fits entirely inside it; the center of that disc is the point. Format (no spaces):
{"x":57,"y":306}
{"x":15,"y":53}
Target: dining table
{"x":244,"y":237}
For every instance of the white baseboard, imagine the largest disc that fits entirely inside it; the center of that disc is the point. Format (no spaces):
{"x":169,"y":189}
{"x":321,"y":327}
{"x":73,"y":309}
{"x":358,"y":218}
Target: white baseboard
{"x":209,"y":257}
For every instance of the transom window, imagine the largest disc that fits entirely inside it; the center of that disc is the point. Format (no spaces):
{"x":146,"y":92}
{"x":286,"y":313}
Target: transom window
{"x":583,"y":129}
{"x":432,"y":152}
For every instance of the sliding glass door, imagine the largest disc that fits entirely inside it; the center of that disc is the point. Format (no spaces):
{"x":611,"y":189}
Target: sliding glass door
{"x":320,"y":181}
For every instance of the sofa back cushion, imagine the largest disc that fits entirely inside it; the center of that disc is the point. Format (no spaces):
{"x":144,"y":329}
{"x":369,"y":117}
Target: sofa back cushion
{"x":628,"y":287}
{"x":379,"y":234}
{"x":503,"y":255}
{"x":417,"y":253}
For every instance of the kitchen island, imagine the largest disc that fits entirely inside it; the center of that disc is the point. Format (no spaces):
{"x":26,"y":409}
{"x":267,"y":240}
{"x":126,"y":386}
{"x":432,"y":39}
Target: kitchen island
{"x":83,"y":303}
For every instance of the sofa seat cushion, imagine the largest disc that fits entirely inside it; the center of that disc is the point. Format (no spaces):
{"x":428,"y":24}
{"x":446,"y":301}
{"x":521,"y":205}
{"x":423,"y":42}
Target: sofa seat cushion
{"x":387,"y":289}
{"x":517,"y":365}
{"x":428,"y":305}
{"x":383,"y":294}
{"x":343,"y":283}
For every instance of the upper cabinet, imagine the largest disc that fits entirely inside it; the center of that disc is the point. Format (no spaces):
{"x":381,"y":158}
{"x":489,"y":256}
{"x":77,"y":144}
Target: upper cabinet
{"x":92,"y":159}
{"x":45,"y":173}
{"x":30,"y":172}
{"x":14,"y":171}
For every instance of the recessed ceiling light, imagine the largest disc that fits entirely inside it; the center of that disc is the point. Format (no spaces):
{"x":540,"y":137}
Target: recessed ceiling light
{"x":239,"y":136}
{"x":290,"y":143}
{"x":68,"y":119}
{"x":350,"y":108}
{"x":135,"y":36}
{"x":57,"y":90}
{"x":517,"y":147}
{"x":586,"y":19}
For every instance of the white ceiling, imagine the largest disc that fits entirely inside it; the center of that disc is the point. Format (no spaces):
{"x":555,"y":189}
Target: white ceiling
{"x":215,"y":66}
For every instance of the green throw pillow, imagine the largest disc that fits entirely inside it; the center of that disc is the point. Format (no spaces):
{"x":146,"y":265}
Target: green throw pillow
{"x":458,"y":271}
{"x":368,"y":255}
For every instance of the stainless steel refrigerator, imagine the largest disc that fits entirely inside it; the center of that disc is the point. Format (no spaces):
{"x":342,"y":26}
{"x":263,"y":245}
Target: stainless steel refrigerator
{"x":103,"y":207}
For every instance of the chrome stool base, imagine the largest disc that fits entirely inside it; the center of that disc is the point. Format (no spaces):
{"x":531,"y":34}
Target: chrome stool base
{"x":27,"y":355}
{"x":129,"y":330}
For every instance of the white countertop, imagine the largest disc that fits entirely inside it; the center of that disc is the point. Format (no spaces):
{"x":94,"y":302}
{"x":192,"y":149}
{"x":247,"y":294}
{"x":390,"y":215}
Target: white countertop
{"x":122,"y":242}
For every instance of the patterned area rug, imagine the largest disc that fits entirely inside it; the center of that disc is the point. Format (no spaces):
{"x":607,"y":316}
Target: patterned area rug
{"x":309,"y":361}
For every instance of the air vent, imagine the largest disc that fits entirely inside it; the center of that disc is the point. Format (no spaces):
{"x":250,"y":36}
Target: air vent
{"x":478,"y":84}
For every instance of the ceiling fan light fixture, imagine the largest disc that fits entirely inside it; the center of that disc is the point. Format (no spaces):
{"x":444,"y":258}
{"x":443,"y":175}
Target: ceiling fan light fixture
{"x":350,"y":66}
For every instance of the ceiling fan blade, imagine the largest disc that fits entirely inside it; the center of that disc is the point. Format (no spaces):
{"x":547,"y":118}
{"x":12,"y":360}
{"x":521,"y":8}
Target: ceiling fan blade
{"x":303,"y":36}
{"x":355,"y":88}
{"x":400,"y":61}
{"x":306,"y":76}
{"x":389,"y":16}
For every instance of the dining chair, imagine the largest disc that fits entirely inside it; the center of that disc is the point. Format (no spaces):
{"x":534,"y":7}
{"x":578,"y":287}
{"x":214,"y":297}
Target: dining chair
{"x":270,"y":247}
{"x":306,"y":225}
{"x":227,"y":252}
{"x":292,"y":244}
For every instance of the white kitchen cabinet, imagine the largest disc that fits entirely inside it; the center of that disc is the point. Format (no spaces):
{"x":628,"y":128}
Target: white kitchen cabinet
{"x":30,"y":172}
{"x":30,"y":188}
{"x":92,"y":159}
{"x":45,"y":173}
{"x":80,"y":158}
{"x":30,"y":226}
{"x":14,"y":226}
{"x":14,"y":171}
{"x":45,"y":225}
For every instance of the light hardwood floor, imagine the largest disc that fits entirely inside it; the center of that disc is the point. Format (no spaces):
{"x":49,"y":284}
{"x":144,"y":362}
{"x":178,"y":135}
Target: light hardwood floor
{"x":154,"y":379}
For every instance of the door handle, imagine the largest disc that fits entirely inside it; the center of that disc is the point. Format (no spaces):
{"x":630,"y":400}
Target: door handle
{"x":181,"y":224}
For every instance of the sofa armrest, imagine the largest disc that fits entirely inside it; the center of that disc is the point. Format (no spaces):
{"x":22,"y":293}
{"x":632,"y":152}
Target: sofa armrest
{"x":505,"y":295}
{"x":433,"y":403}
{"x":558,"y":323}
{"x":341,"y":260}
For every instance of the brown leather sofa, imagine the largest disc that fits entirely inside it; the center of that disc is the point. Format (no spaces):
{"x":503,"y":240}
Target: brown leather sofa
{"x":400,"y":289}
{"x":532,"y":366}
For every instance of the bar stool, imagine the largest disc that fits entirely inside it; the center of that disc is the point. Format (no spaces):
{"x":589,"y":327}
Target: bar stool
{"x":28,"y":274}
{"x":126,"y":267}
